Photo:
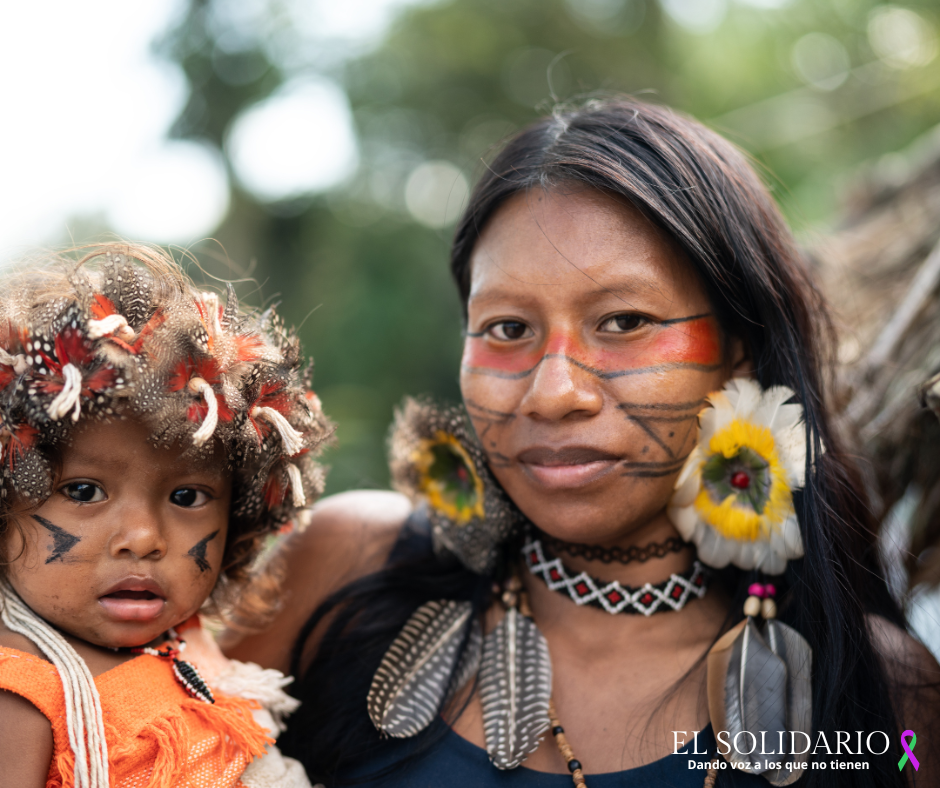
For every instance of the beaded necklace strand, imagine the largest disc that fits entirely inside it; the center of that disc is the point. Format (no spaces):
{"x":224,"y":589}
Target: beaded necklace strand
{"x":515,"y":595}
{"x":184,"y":672}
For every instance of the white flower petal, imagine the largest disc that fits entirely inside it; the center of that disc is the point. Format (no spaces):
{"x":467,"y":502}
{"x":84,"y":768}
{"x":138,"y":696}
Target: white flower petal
{"x":689,"y":469}
{"x":771,"y":562}
{"x":771,"y":406}
{"x":713,"y":549}
{"x":687,"y":488}
{"x":791,"y":449}
{"x":684,"y":518}
{"x":745,"y":396}
{"x":793,"y":540}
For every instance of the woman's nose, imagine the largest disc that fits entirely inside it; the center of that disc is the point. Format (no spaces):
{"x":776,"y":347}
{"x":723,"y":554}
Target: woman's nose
{"x":139,"y":533}
{"x":561,"y":388}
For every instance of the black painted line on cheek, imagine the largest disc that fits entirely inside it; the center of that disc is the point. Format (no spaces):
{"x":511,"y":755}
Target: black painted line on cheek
{"x":62,"y":540}
{"x":198,"y":552}
{"x":661,"y":405}
{"x":653,"y":470}
{"x":495,"y":373}
{"x":498,"y":414}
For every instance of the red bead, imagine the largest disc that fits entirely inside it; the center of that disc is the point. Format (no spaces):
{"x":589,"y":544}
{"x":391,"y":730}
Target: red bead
{"x":740,"y":480}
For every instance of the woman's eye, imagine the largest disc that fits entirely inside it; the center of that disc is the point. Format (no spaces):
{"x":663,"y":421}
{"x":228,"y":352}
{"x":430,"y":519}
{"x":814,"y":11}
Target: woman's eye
{"x":84,"y":492}
{"x":509,"y":330}
{"x":619,"y":324}
{"x":188,"y":497}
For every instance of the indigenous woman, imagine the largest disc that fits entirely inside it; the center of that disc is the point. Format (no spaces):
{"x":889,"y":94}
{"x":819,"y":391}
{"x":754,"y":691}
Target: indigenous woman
{"x":645,"y":550}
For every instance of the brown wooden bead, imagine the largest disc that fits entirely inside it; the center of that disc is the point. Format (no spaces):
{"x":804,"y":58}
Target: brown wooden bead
{"x":768,"y":609}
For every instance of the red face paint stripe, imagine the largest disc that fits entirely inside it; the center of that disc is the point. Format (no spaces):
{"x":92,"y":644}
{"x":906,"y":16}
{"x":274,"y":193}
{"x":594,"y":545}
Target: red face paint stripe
{"x":693,"y":343}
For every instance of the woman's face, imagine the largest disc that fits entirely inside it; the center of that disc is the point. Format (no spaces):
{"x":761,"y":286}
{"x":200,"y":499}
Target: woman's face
{"x":591,"y":345}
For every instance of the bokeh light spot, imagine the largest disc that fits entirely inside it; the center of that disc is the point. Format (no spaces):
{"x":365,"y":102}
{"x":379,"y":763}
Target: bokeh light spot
{"x":436,"y":193}
{"x":176,"y":193}
{"x":696,"y":16}
{"x":299,"y":141}
{"x":820,"y":61}
{"x":901,"y":38}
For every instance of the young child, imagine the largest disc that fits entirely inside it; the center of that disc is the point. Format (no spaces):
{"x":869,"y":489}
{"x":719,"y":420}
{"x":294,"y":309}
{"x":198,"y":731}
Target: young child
{"x":151,"y":438}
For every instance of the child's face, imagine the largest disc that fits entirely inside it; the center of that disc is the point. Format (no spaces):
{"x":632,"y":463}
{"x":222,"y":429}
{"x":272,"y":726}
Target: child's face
{"x":131,"y":541}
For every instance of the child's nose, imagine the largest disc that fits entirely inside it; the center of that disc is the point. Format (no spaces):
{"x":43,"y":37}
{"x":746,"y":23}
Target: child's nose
{"x":140,"y":533}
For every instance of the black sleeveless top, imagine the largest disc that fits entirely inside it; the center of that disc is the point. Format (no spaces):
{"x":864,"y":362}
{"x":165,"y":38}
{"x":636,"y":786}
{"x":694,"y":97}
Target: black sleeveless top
{"x":456,"y":763}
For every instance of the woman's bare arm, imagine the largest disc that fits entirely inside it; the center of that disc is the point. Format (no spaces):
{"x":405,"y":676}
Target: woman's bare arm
{"x":349,"y":535}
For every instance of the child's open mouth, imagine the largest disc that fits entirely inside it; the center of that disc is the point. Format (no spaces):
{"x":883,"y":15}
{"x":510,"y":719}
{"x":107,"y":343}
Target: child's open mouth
{"x":134,"y":600}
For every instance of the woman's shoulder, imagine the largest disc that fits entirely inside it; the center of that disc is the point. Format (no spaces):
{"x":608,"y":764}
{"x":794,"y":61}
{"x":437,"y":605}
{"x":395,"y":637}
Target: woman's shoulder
{"x":914,"y":682}
{"x":904,"y":657}
{"x":344,"y":537}
{"x":361,"y":524}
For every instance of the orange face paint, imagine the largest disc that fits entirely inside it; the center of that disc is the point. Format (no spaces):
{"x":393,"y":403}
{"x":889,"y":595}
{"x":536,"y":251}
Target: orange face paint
{"x":691,"y":343}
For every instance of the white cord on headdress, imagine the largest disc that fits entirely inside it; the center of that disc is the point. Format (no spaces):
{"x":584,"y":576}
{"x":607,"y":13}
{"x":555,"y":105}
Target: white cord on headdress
{"x":111,"y":324}
{"x":69,"y":399}
{"x":296,"y":485}
{"x":83,"y":716}
{"x":18,"y":362}
{"x":207,"y":428}
{"x":292,"y":440}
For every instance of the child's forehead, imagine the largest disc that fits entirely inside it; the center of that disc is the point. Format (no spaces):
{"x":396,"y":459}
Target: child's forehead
{"x":126,"y":443}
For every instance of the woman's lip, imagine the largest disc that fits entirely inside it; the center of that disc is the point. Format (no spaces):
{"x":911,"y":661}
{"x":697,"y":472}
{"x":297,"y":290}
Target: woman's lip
{"x":565,"y":455}
{"x":132,"y":609}
{"x":562,"y":477}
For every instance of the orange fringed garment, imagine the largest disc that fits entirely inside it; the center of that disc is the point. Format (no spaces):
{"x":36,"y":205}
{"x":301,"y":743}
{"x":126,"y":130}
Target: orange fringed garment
{"x":158,"y":736}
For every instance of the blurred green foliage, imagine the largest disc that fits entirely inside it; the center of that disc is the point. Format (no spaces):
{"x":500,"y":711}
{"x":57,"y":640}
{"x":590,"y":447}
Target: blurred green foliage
{"x":808,"y":86}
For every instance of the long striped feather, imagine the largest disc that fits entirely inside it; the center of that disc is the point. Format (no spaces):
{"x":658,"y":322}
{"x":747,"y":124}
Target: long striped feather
{"x":515,"y":689}
{"x":414,"y":677}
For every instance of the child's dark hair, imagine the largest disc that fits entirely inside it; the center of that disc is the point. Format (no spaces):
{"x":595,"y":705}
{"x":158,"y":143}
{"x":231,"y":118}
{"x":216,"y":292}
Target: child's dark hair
{"x":704,"y":194}
{"x":122,"y":332}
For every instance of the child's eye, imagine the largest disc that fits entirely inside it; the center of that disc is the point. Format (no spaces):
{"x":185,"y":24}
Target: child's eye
{"x":84,"y":492}
{"x":509,"y":330}
{"x":621,"y":324}
{"x":188,"y":497}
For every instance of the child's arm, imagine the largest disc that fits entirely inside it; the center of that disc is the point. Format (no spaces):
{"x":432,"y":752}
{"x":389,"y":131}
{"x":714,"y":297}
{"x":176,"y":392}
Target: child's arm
{"x":25,"y":743}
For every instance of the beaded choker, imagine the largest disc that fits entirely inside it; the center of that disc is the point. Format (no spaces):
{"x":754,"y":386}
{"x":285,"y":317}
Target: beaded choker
{"x":671,"y":594}
{"x":608,"y":555}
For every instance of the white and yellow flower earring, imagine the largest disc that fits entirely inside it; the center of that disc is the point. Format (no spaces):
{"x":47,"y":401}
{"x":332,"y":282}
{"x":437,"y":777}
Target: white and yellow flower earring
{"x":734,"y":501}
{"x":733,"y":498}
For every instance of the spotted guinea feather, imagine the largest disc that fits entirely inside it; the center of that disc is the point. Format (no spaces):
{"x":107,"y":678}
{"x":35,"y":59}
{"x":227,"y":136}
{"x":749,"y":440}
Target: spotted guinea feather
{"x":412,"y":682}
{"x":515,"y":689}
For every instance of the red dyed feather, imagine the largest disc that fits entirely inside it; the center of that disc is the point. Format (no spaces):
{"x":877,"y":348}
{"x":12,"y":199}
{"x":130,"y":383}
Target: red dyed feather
{"x":102,"y":306}
{"x":71,"y":347}
{"x":22,"y":439}
{"x":198,"y":410}
{"x":184,"y":371}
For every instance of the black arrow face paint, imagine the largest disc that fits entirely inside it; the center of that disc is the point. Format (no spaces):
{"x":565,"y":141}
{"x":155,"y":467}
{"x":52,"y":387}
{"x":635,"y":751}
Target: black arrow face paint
{"x":62,"y":540}
{"x":198,"y":552}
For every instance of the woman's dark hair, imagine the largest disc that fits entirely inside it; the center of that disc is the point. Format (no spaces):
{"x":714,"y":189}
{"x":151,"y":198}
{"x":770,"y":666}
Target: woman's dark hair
{"x":704,"y":194}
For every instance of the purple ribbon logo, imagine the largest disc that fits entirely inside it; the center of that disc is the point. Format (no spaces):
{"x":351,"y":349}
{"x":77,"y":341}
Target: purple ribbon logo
{"x":908,"y":751}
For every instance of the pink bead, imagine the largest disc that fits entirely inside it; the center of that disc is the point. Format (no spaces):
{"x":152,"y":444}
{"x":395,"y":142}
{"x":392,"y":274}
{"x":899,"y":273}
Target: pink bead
{"x":756,"y":589}
{"x":770,"y":589}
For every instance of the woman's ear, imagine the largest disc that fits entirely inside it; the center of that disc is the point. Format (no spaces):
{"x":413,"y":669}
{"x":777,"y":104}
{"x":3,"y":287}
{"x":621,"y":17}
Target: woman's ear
{"x":740,"y":358}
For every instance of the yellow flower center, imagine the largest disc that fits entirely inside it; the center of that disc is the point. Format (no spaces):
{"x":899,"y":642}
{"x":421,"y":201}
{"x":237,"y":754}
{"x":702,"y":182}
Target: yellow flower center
{"x":744,"y":491}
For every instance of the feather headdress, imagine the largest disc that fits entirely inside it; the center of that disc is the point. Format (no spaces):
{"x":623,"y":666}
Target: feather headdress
{"x":124,"y":333}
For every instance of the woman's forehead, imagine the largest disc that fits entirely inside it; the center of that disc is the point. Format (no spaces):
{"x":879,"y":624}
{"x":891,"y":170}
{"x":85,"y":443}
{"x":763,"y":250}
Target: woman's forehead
{"x":580,"y":242}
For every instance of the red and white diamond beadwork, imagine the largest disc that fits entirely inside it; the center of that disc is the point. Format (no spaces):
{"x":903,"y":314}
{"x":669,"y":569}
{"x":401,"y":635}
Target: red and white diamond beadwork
{"x":671,"y":594}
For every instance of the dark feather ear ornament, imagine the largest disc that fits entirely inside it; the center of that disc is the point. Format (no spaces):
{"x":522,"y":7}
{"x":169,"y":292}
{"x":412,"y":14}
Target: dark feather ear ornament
{"x":437,"y":461}
{"x":733,"y":499}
